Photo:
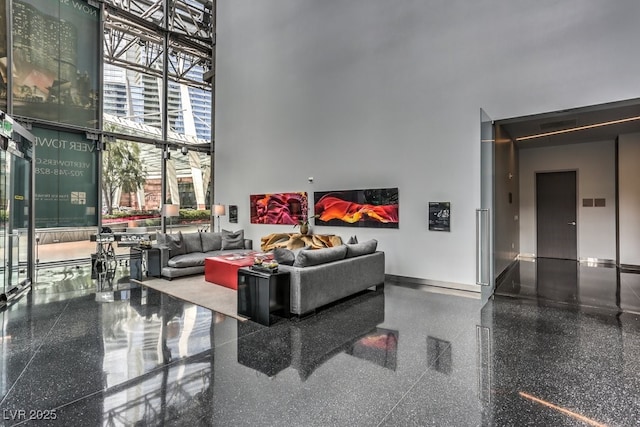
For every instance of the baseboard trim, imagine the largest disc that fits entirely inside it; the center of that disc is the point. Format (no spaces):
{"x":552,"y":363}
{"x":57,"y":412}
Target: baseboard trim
{"x":507,"y":269}
{"x":427,"y":282}
{"x":597,"y":261}
{"x":583,"y":260}
{"x":629,"y":268}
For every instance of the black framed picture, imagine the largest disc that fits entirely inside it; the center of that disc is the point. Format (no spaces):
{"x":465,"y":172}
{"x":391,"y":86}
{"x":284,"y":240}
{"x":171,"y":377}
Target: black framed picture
{"x":439,"y":216}
{"x":233,"y":214}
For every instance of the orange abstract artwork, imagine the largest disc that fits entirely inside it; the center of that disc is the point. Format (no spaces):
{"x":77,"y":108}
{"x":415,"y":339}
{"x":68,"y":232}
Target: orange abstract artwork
{"x":367,"y":208}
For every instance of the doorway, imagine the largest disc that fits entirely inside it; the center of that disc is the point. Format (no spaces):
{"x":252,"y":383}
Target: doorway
{"x":556,"y":211}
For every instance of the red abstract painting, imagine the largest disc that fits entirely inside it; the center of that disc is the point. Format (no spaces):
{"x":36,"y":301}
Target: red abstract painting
{"x":278,"y":208}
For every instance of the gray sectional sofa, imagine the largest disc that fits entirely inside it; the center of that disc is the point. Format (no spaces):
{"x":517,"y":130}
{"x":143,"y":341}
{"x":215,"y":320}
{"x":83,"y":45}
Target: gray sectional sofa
{"x":323,"y":276}
{"x":183,"y":254}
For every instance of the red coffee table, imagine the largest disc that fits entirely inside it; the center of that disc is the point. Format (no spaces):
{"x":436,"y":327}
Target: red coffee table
{"x":223,"y":270}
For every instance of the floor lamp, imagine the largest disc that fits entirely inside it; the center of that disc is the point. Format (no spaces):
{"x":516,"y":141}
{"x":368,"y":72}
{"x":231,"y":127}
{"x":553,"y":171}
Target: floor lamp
{"x":171,"y":211}
{"x":218,"y":211}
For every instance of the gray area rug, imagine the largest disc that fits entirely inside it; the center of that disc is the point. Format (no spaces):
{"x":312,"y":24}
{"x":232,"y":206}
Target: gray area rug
{"x":196,"y":290}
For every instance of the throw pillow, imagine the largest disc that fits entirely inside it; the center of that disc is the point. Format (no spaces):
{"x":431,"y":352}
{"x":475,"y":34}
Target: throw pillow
{"x":211,"y":241}
{"x":284,"y":256}
{"x":352,"y":240}
{"x":172,"y":242}
{"x":233,"y":240}
{"x":310,"y":257}
{"x":192,"y":242}
{"x":363,"y":248}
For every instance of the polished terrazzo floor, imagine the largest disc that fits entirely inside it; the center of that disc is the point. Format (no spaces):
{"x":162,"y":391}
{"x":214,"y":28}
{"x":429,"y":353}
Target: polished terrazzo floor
{"x":112,"y":354}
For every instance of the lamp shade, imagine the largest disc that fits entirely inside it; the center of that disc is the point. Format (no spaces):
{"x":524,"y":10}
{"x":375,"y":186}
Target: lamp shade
{"x":171,"y":210}
{"x":219,"y":210}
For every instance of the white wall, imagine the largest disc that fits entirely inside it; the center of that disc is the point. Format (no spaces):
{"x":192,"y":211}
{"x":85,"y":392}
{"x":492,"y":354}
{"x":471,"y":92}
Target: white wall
{"x":595,"y":165}
{"x":629,"y":194}
{"x":373,"y":93}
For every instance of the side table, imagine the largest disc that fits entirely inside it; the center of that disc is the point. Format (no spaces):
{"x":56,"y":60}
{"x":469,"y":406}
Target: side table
{"x":141,"y":257}
{"x":261,"y":293}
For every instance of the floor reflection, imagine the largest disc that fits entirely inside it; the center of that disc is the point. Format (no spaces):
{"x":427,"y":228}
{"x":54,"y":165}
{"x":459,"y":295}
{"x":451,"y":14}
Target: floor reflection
{"x":559,"y":366}
{"x":572,"y":283}
{"x":305,"y":345}
{"x":107,"y":352}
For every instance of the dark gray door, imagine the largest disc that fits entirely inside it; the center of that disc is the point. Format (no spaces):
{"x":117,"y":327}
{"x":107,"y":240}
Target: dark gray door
{"x":556,"y":215}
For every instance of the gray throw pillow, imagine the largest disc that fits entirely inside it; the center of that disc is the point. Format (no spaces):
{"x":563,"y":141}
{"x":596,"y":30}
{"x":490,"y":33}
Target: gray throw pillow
{"x":363,"y":248}
{"x":173,"y":242}
{"x":352,"y":240}
{"x":192,"y":242}
{"x":284,"y":256}
{"x":211,"y":241}
{"x":233,"y":240}
{"x":310,"y":257}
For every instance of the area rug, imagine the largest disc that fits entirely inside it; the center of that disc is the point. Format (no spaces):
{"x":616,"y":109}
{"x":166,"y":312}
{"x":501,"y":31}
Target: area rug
{"x":196,"y":290}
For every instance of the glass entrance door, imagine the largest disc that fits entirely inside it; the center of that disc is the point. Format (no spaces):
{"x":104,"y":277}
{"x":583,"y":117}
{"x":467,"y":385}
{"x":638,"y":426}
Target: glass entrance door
{"x":15,"y":181}
{"x":19,"y":183}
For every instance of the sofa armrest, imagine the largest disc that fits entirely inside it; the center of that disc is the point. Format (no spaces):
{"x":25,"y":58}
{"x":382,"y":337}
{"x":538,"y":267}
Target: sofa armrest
{"x":164,"y":255}
{"x":248,"y":244}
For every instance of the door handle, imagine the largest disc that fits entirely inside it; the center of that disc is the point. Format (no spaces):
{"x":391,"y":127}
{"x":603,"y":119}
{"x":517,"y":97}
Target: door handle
{"x":571,"y":223}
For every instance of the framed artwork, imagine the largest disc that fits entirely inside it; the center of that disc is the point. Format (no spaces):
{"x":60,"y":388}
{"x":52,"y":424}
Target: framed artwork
{"x":439,"y":216}
{"x":278,"y":208}
{"x":233,"y":214}
{"x":377,"y":208}
{"x":379,"y":347}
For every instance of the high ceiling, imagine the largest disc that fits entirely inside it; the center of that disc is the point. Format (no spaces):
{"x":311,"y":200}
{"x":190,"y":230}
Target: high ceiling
{"x":185,"y":31}
{"x":587,"y":124}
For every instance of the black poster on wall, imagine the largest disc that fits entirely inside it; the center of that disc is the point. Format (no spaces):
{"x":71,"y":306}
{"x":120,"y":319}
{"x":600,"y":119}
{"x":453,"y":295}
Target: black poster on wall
{"x":233,"y":214}
{"x":439,"y":216}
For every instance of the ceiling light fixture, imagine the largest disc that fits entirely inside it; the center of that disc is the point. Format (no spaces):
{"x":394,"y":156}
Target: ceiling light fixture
{"x":596,"y":125}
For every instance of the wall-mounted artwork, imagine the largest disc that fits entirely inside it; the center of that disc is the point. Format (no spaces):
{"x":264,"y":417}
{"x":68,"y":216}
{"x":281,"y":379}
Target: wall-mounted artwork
{"x":278,"y":208}
{"x":233,"y":214}
{"x":439,"y":216}
{"x":376,"y":208}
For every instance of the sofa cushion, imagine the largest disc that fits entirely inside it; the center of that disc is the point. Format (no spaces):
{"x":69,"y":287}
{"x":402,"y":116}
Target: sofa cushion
{"x":187,"y":260}
{"x":173,"y":242}
{"x":363,"y":248}
{"x":309,"y":257}
{"x":211,"y":241}
{"x":233,"y":240}
{"x":286,"y":256}
{"x":283,"y":256}
{"x":192,"y":242}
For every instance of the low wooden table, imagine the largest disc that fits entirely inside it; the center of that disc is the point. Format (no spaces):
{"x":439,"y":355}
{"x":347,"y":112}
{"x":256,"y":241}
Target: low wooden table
{"x":223,"y":269}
